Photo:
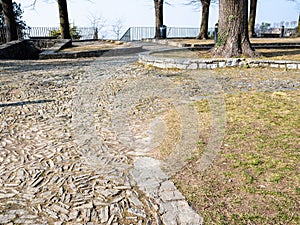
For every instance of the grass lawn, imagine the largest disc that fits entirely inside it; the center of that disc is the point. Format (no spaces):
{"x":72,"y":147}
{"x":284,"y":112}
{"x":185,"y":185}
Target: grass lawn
{"x":268,"y":54}
{"x":255,"y":177}
{"x":253,"y":40}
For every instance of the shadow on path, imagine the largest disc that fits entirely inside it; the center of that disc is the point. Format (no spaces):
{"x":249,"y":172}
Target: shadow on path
{"x":24,"y":103}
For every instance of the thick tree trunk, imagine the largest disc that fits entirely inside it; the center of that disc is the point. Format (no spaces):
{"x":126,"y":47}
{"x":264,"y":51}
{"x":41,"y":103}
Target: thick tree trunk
{"x":158,"y":6}
{"x":64,"y":19}
{"x":9,"y":20}
{"x":253,"y":7}
{"x":299,"y":25}
{"x":233,"y":39}
{"x":204,"y":20}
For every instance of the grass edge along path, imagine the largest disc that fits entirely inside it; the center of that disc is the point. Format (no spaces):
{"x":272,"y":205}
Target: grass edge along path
{"x":255,"y":177}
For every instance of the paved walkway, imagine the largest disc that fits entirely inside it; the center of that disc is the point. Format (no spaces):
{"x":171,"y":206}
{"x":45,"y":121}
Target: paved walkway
{"x":77,"y":137}
{"x":64,"y":159}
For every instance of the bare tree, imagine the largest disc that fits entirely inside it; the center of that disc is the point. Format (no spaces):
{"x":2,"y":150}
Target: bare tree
{"x":9,"y":20}
{"x":252,"y":17}
{"x":298,"y":30}
{"x":117,"y":28}
{"x":97,"y":23}
{"x":64,"y":19}
{"x":159,"y":16}
{"x":205,"y":5}
{"x":233,"y":38}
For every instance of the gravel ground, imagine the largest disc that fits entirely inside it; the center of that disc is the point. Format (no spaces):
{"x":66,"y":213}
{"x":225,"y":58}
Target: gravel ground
{"x":76,"y":138}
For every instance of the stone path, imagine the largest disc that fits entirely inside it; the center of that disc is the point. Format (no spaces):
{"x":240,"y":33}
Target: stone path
{"x":61,"y":160}
{"x":77,"y":137}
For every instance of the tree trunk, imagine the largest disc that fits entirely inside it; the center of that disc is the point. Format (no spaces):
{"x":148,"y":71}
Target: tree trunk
{"x":252,"y":17}
{"x":204,"y":20}
{"x":299,"y":25}
{"x":9,"y":20}
{"x":158,"y":6}
{"x":64,"y":19}
{"x":233,"y":38}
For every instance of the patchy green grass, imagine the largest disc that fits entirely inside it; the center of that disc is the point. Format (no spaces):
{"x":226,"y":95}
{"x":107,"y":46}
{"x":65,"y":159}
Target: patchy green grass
{"x":255,"y":177}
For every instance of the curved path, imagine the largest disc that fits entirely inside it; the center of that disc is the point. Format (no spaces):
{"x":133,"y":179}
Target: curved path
{"x":78,"y":138}
{"x":63,"y":158}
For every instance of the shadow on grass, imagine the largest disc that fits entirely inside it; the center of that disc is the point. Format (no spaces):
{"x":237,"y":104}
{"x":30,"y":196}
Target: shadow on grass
{"x":280,"y":52}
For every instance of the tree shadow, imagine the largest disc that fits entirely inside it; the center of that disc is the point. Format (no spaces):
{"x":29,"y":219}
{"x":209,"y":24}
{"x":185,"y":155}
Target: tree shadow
{"x":279,"y":52}
{"x":41,"y":65}
{"x":13,"y":104}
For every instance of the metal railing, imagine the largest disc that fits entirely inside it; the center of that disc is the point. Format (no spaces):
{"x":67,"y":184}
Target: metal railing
{"x":45,"y":32}
{"x":139,"y":33}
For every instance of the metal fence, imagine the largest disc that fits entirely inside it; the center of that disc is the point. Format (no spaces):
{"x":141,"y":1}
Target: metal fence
{"x":139,"y":33}
{"x":45,"y":32}
{"x":84,"y":32}
{"x":132,"y":34}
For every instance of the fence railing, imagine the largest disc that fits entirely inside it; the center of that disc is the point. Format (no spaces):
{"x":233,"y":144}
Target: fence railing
{"x":44,"y":32}
{"x":83,"y":32}
{"x":132,"y":34}
{"x":139,"y":33}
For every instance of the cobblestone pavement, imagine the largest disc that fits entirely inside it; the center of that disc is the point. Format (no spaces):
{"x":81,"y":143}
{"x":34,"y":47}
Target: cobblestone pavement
{"x":74,"y":147}
{"x":61,"y":161}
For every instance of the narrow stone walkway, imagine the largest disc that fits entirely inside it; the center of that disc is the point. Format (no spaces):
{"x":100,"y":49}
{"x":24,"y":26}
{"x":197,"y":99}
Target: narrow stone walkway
{"x":63,"y":157}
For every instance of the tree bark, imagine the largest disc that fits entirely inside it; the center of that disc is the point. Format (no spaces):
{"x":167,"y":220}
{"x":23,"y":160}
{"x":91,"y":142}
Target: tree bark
{"x":299,"y":25}
{"x":233,"y":39}
{"x":158,"y":6}
{"x":204,"y":19}
{"x":9,"y":20}
{"x":252,"y":17}
{"x":64,"y":19}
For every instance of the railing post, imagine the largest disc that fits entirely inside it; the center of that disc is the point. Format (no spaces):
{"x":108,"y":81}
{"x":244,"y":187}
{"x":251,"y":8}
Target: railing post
{"x":216,"y":33}
{"x":282,"y":32}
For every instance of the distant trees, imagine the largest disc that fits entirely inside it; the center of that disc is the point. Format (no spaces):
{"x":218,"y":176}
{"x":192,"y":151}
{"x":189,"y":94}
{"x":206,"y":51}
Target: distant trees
{"x":233,"y":37}
{"x":159,"y":16}
{"x":9,"y":20}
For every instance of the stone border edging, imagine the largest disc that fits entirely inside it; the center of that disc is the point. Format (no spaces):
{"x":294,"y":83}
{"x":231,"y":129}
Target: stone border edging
{"x":192,"y":64}
{"x":94,"y":53}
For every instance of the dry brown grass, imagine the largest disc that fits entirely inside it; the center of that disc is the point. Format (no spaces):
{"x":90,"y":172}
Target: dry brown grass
{"x":268,"y":54}
{"x":253,"y":40}
{"x":82,"y":47}
{"x":255,"y":178}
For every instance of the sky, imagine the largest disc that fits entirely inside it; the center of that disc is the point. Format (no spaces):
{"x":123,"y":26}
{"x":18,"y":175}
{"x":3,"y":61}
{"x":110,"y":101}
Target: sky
{"x":140,"y":13}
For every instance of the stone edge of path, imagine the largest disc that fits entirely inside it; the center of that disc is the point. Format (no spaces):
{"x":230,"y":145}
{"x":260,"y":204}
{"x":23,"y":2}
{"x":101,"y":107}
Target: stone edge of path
{"x":55,"y":54}
{"x":149,"y":59}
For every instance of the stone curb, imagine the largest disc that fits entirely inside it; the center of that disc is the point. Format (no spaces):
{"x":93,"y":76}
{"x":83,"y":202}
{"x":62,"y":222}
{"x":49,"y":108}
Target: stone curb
{"x":192,"y":64}
{"x":95,"y":53}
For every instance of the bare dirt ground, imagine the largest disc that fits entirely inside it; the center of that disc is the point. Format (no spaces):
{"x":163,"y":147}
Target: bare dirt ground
{"x":95,"y":45}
